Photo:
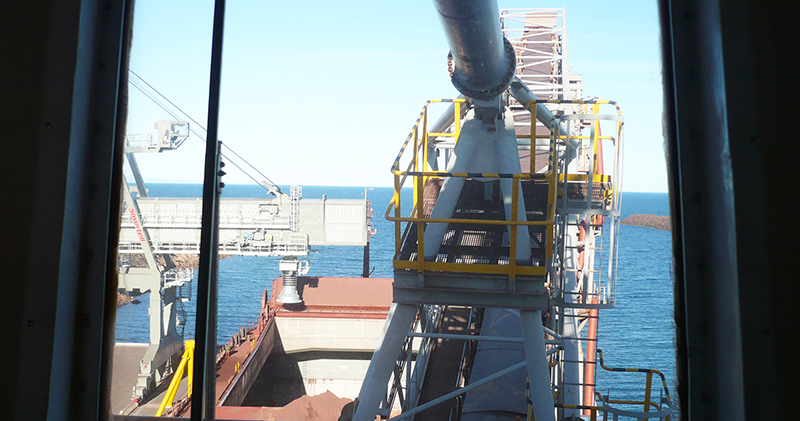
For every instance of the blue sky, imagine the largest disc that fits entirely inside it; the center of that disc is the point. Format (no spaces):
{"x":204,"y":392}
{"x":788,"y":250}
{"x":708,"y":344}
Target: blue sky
{"x":324,"y":93}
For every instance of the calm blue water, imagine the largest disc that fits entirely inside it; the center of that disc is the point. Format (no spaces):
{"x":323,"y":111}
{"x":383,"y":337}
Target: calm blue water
{"x":638,"y":333}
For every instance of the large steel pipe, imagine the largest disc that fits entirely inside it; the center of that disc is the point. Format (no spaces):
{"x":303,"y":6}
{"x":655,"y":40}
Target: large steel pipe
{"x":483,"y":61}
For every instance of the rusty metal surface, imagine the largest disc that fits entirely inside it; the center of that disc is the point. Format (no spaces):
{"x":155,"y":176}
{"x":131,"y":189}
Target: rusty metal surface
{"x":325,"y":406}
{"x":429,"y":195}
{"x":337,"y":297}
{"x":541,"y":158}
{"x":236,"y":374}
{"x":238,"y":361}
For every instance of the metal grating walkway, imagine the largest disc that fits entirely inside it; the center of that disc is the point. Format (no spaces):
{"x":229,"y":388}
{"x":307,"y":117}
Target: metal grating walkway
{"x":482,"y":243}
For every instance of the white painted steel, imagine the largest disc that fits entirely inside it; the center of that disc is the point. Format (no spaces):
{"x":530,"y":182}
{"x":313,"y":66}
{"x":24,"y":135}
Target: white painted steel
{"x":473,"y":337}
{"x":253,"y":227}
{"x":538,"y":370}
{"x":374,"y":389}
{"x":481,"y":148}
{"x":459,"y":391}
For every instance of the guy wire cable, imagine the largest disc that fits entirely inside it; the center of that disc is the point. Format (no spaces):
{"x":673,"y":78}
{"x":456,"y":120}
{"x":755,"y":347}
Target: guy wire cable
{"x":160,"y":104}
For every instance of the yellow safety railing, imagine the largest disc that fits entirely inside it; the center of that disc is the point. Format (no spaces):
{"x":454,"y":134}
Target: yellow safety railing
{"x":420,"y":130}
{"x":186,"y":360}
{"x":418,"y":141}
{"x":593,"y":410}
{"x":647,"y":403}
{"x":589,"y":110}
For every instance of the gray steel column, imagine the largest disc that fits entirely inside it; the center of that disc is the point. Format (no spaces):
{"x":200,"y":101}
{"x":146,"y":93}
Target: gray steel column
{"x":481,"y":148}
{"x":507,"y":161}
{"x":460,"y":161}
{"x":373,"y":390}
{"x":704,"y":215}
{"x":571,"y":392}
{"x":157,"y":330}
{"x":588,"y":261}
{"x":538,"y":371}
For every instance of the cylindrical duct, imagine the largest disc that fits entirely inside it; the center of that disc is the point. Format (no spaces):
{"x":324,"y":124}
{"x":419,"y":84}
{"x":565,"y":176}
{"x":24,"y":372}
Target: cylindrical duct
{"x":289,"y":291}
{"x":483,"y":61}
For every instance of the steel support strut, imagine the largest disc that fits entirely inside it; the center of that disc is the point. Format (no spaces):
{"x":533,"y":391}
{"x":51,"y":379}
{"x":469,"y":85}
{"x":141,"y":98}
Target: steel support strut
{"x":373,"y":390}
{"x":538,"y":371}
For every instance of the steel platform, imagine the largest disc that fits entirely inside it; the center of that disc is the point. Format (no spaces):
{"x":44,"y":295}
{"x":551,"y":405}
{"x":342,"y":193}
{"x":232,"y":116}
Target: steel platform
{"x":467,"y":243}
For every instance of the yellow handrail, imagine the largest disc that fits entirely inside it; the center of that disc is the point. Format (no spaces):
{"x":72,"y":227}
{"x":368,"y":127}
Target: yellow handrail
{"x":421,"y":173}
{"x":418,"y":139}
{"x":186,"y":359}
{"x":647,"y":403}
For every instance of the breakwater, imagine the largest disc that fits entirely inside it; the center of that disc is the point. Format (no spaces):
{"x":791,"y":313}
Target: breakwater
{"x":659,"y":222}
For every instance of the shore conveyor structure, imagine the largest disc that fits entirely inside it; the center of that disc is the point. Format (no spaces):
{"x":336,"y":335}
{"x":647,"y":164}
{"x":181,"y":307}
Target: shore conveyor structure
{"x":158,"y":228}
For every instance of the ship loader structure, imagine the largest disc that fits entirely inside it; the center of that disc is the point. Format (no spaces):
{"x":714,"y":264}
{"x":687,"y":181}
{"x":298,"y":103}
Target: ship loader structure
{"x":509,"y":250}
{"x":501,"y":265}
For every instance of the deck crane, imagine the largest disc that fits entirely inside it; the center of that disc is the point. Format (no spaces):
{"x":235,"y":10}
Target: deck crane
{"x":174,"y":223}
{"x":164,"y":281}
{"x":520,"y":220}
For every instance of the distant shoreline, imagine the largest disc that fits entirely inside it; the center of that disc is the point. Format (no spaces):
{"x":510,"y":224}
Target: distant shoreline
{"x":659,"y":222}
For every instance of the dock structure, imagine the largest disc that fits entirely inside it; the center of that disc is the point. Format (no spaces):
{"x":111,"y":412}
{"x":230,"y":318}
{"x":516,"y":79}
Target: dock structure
{"x":158,"y":228}
{"x":269,"y":226}
{"x":278,"y":226}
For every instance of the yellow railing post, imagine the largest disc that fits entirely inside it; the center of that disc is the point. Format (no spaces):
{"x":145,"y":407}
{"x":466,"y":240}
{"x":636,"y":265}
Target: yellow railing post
{"x":424,"y":146}
{"x":648,"y":383}
{"x":419,"y":209}
{"x":512,"y":253}
{"x":190,"y":364}
{"x":186,"y":359}
{"x":457,"y":121}
{"x":397,"y":214}
{"x":596,"y":140}
{"x":533,"y":138}
{"x":415,"y":152}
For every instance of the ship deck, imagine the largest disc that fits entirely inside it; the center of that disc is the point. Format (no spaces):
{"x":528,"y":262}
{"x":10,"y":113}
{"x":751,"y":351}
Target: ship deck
{"x":340,"y":320}
{"x":329,"y":297}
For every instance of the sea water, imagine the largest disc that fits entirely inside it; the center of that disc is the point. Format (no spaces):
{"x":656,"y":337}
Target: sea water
{"x":638,"y":333}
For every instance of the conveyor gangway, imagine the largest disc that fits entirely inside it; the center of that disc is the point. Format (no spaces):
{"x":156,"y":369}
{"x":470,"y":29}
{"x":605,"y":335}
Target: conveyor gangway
{"x":248,"y":227}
